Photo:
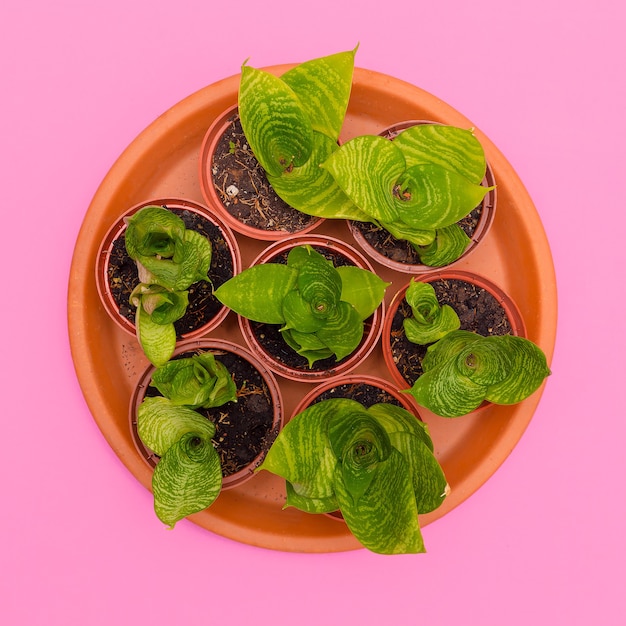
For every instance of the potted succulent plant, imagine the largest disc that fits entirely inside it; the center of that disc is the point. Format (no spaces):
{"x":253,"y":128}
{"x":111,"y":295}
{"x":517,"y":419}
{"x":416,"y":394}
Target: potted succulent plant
{"x":156,"y":271}
{"x":287,"y":125}
{"x":204,"y":421}
{"x":375,"y":465}
{"x":417,"y":186}
{"x":313,"y":301}
{"x":459,"y":369}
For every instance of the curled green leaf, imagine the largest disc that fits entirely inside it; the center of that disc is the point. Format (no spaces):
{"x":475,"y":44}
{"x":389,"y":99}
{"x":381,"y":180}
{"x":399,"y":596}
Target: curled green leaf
{"x":449,"y":244}
{"x":430,"y":321}
{"x":187,"y":479}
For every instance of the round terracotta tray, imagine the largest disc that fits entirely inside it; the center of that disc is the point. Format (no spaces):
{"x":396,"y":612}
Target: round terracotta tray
{"x":163,"y":162}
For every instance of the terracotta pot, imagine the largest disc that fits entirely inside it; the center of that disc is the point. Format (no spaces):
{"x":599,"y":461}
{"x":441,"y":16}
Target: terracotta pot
{"x":217,"y":346}
{"x":488,"y":209}
{"x":213,"y":198}
{"x":122,"y":313}
{"x":334,"y":369}
{"x":390,"y":355}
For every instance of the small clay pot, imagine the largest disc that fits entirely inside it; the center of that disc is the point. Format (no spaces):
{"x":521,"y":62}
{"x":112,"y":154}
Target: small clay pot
{"x":112,"y":251}
{"x":485,"y":210}
{"x":225,"y":201}
{"x":247,"y":403}
{"x":392,"y":332}
{"x":257,"y":335}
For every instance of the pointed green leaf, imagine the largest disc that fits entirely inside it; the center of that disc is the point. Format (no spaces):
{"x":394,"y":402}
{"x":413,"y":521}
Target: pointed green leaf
{"x":449,"y":244}
{"x":187,"y":479}
{"x":395,"y":419}
{"x":258,"y":292}
{"x":363,"y":289}
{"x":323,"y":87}
{"x":160,"y":423}
{"x":273,"y":121}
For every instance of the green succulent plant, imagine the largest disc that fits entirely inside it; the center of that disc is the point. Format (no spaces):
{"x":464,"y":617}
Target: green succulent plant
{"x":188,"y":476}
{"x":375,"y":465}
{"x":321,"y":308}
{"x":292,"y":123}
{"x":417,"y":186}
{"x":169,"y":258}
{"x":463,"y":369}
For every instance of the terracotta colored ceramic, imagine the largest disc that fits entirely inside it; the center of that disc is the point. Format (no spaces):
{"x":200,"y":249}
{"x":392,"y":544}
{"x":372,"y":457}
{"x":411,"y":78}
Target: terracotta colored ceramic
{"x":482,"y":228}
{"x":163,"y":161}
{"x":118,"y":228}
{"x":510,"y":308}
{"x":212,"y":198}
{"x":214,"y":345}
{"x":373,"y":326}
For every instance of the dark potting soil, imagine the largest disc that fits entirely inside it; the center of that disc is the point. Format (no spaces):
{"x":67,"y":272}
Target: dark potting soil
{"x":364,"y":393}
{"x":401,"y":251}
{"x":243,"y":429}
{"x":244,"y":189}
{"x":271,"y":340}
{"x":203,"y":306}
{"x":478,"y":311}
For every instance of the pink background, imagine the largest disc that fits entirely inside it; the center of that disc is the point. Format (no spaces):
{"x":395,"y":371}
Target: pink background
{"x":541,"y":543}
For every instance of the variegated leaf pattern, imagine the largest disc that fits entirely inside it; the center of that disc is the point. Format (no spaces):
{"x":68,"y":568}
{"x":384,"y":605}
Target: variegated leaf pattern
{"x":274,"y":122}
{"x":187,"y":479}
{"x":463,"y":369}
{"x":160,"y":423}
{"x":323,"y":87}
{"x":448,"y":245}
{"x":376,"y":465}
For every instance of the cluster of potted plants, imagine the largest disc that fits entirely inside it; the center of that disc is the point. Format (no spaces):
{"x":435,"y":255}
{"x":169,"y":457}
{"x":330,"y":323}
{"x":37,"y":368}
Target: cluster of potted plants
{"x":312,"y":308}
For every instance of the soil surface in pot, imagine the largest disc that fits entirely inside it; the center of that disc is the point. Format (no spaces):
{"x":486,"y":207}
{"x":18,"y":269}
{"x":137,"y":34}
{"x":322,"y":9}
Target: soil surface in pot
{"x":364,"y":393}
{"x":478,"y":311}
{"x":401,"y":251}
{"x":242,"y":185}
{"x":203,"y":306}
{"x":271,"y":340}
{"x":243,"y":429}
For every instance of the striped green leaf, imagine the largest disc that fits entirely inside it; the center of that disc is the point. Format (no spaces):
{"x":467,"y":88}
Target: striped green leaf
{"x":319,"y":283}
{"x":274,"y":121}
{"x":455,"y":149}
{"x":363,"y":289}
{"x":187,"y":479}
{"x":342,"y":331}
{"x":528,"y":370}
{"x":449,"y":244}
{"x":312,"y":190}
{"x":323,"y":87}
{"x":376,"y":465}
{"x":160,"y":423}
{"x":384,"y":519}
{"x":433,"y":197}
{"x":258,"y":292}
{"x":402,"y":231}
{"x":299,"y":314}
{"x":463,"y":369}
{"x":430,"y":321}
{"x":157,"y":341}
{"x":367,"y":168}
